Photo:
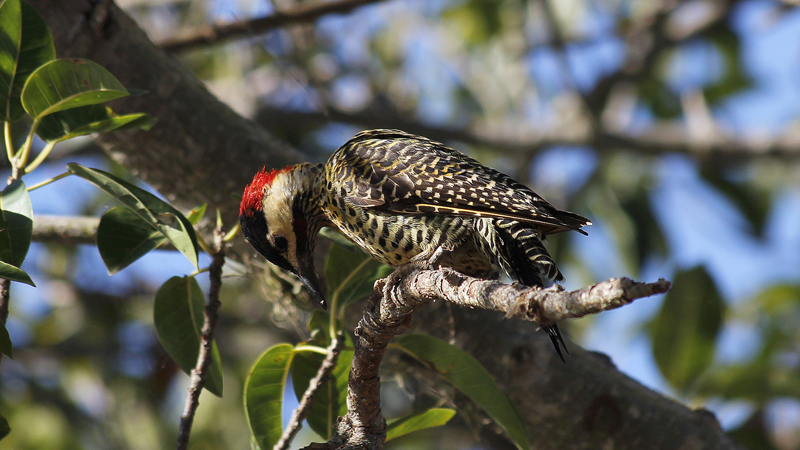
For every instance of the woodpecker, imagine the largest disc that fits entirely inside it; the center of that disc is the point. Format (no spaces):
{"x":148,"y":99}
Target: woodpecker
{"x":406,"y":199}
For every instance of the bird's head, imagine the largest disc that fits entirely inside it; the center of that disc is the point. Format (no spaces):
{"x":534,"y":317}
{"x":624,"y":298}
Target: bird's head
{"x":275,"y":218}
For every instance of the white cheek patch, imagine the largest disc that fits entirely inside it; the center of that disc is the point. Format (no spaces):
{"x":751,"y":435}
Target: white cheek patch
{"x":278,"y":212}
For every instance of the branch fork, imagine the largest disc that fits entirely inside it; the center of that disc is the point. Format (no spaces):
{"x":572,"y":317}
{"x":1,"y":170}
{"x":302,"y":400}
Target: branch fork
{"x":388,"y":313}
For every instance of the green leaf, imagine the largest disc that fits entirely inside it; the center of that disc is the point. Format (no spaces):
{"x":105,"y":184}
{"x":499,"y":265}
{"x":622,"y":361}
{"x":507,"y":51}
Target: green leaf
{"x":778,"y":300}
{"x":337,"y":237}
{"x":36,"y":49}
{"x":647,"y":235}
{"x":6,"y":347}
{"x":351,"y":275}
{"x":152,"y":209}
{"x":331,"y":400}
{"x":467,"y":375}
{"x":11,"y":22}
{"x":4,"y":428}
{"x":435,"y":417}
{"x":123,"y":237}
{"x":734,"y":78}
{"x":85,"y":120}
{"x":663,"y":102}
{"x":263,"y":394}
{"x":178,"y":317}
{"x":685,"y":330}
{"x":753,"y":201}
{"x":757,"y":381}
{"x":13,"y":273}
{"x":196,"y":215}
{"x":68,"y":83}
{"x":16,"y":223}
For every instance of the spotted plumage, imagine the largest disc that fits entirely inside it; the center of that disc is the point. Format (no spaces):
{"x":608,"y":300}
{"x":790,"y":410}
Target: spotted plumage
{"x":401,"y":197}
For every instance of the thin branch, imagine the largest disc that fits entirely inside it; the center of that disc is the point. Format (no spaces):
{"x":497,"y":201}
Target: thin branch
{"x":408,"y":289}
{"x":209,"y":325}
{"x":300,"y":413}
{"x":659,"y":140}
{"x":216,"y":34}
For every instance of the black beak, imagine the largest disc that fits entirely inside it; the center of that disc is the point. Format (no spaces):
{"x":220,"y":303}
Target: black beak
{"x":308,"y":276}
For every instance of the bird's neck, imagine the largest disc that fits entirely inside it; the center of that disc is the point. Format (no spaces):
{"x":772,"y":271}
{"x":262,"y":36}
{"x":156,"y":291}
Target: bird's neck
{"x":309,"y":182}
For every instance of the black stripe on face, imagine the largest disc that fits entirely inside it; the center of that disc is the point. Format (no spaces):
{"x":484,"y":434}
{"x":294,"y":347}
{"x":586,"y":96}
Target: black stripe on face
{"x":255,"y":229}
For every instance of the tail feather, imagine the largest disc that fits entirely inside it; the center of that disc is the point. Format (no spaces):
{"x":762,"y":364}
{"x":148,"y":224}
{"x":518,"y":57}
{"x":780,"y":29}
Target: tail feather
{"x":526,"y":260}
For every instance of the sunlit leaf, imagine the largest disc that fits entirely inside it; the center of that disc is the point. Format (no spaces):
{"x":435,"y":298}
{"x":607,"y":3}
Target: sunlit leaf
{"x":6,"y":347}
{"x":14,"y":273}
{"x":467,"y":375}
{"x":123,"y":237}
{"x":28,"y":46}
{"x":152,"y":209}
{"x":68,"y":83}
{"x":351,"y":275}
{"x":331,"y":399}
{"x":431,"y":418}
{"x":16,"y":223}
{"x":476,"y":20}
{"x":178,"y":318}
{"x":685,"y":330}
{"x":263,"y":394}
{"x":778,"y":299}
{"x":11,"y":21}
{"x":196,"y":215}
{"x":85,"y":120}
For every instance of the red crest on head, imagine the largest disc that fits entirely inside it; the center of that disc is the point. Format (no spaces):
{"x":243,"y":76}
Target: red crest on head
{"x":254,"y":192}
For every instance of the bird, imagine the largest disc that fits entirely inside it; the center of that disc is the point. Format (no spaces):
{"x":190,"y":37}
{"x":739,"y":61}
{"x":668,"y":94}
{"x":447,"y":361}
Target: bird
{"x":406,"y":199}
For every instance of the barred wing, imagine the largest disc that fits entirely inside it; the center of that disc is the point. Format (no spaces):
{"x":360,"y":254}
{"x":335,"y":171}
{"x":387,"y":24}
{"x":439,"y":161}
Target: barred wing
{"x":398,"y":172}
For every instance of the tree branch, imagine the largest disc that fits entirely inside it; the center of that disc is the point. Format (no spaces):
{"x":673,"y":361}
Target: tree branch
{"x":659,"y":140}
{"x":200,"y":151}
{"x":215,"y":34}
{"x":389,"y":313}
{"x":300,"y":413}
{"x":211,"y":314}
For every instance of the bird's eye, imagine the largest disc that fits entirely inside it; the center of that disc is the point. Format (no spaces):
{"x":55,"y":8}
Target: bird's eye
{"x":281,"y":244}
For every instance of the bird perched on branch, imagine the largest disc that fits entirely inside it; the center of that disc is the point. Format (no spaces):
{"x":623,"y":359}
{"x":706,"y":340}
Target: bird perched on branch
{"x":405,"y":199}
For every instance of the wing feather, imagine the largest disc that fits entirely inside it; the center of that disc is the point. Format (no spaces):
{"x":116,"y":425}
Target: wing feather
{"x":398,"y":172}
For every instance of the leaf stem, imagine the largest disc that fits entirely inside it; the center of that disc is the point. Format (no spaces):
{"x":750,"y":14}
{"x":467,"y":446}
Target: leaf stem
{"x":24,"y":152}
{"x":9,"y":142}
{"x":41,"y":156}
{"x":46,"y":182}
{"x":310,"y":348}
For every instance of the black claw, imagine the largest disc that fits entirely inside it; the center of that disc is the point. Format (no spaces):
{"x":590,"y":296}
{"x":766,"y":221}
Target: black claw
{"x":558,"y":341}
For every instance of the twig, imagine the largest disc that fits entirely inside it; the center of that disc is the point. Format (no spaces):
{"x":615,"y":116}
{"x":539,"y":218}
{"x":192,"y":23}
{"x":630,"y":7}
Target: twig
{"x":203,"y":359}
{"x":299,"y":414}
{"x":302,"y":14}
{"x":389,"y":314}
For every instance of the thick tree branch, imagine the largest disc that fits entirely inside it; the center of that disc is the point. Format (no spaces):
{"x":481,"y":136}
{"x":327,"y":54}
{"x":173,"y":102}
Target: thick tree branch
{"x":301,"y":14}
{"x":200,"y":151}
